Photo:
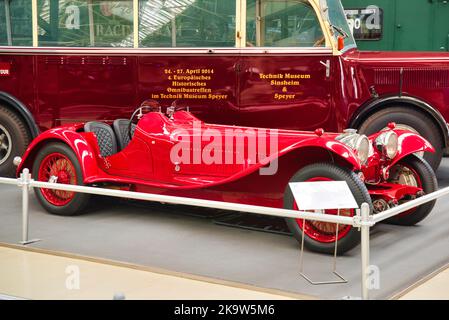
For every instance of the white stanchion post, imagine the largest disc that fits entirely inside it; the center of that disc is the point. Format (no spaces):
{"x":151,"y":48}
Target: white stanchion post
{"x":24,"y":183}
{"x":365,"y":229}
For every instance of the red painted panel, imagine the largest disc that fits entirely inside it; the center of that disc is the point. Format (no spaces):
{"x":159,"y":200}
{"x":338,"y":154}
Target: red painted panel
{"x":20,"y":82}
{"x":82,"y":88}
{"x":425,"y":76}
{"x":204,"y":83}
{"x":225,"y":88}
{"x":286,"y":91}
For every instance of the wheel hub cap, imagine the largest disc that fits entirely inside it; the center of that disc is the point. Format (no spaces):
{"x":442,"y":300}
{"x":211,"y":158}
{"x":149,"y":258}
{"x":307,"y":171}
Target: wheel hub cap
{"x":56,"y":167}
{"x":63,"y":177}
{"x":5,"y":144}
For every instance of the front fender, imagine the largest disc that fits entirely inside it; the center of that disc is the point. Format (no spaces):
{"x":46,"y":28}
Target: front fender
{"x":76,"y":141}
{"x":334,"y":147}
{"x":410,"y":143}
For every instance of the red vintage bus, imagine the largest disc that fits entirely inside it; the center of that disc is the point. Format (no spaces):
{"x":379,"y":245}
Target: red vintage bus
{"x":269,"y":63}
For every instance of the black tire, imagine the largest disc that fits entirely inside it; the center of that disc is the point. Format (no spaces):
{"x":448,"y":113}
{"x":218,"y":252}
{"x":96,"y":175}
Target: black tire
{"x":415,"y":119}
{"x":15,"y":137}
{"x":79,"y":200}
{"x":331,"y":171}
{"x":429,"y":184}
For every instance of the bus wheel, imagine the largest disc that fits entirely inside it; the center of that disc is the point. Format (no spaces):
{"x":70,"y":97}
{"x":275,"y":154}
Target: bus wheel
{"x":14,"y":139}
{"x":414,"y":120}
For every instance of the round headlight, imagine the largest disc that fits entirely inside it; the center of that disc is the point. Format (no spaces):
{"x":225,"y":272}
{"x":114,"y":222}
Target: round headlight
{"x":362,"y":148}
{"x":388,"y":143}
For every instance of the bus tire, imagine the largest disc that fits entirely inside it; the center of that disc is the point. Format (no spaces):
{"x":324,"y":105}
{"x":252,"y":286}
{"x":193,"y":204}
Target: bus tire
{"x":409,"y":117}
{"x":14,"y":139}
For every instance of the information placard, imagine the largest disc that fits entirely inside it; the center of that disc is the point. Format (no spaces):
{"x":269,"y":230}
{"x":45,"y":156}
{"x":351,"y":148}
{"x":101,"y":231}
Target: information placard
{"x":322,"y":195}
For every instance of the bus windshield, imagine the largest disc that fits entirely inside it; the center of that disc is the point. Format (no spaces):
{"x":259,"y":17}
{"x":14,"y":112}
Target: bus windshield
{"x":282,"y":23}
{"x":334,"y":13}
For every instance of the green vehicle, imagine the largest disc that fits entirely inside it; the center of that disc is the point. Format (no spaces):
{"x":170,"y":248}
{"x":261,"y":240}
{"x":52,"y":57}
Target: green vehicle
{"x":399,"y":25}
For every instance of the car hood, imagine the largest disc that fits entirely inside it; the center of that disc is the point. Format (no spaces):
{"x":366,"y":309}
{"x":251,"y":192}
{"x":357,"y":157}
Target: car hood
{"x":397,"y":59}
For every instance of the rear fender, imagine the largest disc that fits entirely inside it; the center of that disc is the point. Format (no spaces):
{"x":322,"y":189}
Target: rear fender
{"x":80,"y":143}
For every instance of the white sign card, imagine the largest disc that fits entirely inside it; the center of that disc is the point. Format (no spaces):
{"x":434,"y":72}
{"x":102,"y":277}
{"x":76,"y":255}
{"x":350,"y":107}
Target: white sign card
{"x":322,"y":195}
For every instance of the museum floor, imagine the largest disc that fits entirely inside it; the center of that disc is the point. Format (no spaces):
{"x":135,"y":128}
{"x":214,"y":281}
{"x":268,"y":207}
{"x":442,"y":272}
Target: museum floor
{"x":33,"y":274}
{"x":189,"y":244}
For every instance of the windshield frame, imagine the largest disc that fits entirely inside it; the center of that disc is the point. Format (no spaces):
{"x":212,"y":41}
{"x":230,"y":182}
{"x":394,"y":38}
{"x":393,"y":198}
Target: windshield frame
{"x":335,"y":6}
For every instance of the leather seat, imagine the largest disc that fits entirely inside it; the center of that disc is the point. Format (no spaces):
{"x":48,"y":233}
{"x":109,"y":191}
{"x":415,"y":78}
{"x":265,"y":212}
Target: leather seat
{"x":121,"y":132}
{"x":106,"y":139}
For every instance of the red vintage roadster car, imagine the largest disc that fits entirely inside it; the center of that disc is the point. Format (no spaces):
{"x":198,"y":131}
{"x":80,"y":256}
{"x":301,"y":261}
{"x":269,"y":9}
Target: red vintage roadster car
{"x":174,"y":153}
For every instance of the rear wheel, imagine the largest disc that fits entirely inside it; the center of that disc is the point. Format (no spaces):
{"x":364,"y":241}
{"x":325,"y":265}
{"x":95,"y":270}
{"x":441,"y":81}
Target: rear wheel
{"x":416,"y":172}
{"x":14,"y":139}
{"x":321,"y":236}
{"x":412,"y":119}
{"x":57,"y":162}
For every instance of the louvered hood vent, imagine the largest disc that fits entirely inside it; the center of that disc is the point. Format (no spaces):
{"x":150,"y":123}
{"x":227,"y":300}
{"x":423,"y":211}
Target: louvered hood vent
{"x":426,"y":78}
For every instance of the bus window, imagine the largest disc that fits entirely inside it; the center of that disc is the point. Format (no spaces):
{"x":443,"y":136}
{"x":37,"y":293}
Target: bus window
{"x":187,"y":23}
{"x":15,"y":23}
{"x":283,"y":23}
{"x":85,"y":23}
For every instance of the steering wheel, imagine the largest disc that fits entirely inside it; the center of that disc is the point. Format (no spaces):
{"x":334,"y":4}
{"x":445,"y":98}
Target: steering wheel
{"x":176,"y":107}
{"x":150,"y":106}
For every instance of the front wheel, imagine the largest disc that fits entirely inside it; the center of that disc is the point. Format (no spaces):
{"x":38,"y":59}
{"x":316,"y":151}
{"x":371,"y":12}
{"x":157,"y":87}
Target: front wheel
{"x":57,"y":162}
{"x":416,"y":172}
{"x":321,"y":236}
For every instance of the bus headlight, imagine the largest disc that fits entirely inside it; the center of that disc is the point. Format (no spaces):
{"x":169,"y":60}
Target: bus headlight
{"x":388,"y":144}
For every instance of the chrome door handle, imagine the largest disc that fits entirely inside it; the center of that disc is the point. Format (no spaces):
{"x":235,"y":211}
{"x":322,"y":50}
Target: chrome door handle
{"x":327,"y":64}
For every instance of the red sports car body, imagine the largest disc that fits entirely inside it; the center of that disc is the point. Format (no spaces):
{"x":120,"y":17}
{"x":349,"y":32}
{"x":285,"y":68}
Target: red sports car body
{"x":177,"y":154}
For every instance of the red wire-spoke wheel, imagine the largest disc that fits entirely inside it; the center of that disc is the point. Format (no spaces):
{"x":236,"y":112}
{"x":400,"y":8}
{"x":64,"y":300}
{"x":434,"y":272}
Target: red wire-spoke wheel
{"x":405,"y":174}
{"x":57,"y":162}
{"x":414,"y":171}
{"x":321,"y":236}
{"x":57,"y":166}
{"x":324,"y":232}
